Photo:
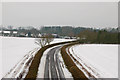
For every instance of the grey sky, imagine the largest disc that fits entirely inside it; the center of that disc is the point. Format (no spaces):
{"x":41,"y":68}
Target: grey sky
{"x":92,"y":14}
{"x":0,"y":13}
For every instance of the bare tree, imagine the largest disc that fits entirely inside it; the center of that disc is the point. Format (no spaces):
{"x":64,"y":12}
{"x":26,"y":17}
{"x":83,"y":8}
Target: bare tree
{"x":49,"y":38}
{"x":45,"y":40}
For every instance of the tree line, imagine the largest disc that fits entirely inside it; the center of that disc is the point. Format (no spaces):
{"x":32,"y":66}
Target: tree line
{"x":63,"y":31}
{"x":88,"y":35}
{"x":100,"y":37}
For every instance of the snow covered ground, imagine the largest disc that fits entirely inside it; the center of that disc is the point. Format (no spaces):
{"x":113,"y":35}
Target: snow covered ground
{"x":101,"y":60}
{"x":0,"y":57}
{"x":57,"y":40}
{"x":13,"y":50}
{"x":64,"y":68}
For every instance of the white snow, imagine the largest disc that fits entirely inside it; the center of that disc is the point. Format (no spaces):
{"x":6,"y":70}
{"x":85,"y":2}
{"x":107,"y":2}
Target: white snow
{"x":21,"y":68}
{"x":13,"y":50}
{"x":6,"y":32}
{"x":41,"y":68}
{"x":0,"y":57}
{"x":101,"y":58}
{"x":15,"y":32}
{"x":57,"y":40}
{"x":66,"y":72}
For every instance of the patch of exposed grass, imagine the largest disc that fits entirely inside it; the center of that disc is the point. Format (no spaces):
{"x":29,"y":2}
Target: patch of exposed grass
{"x":75,"y":71}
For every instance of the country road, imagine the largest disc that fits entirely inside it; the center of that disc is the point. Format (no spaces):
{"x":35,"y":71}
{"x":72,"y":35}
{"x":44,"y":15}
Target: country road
{"x":53,"y":68}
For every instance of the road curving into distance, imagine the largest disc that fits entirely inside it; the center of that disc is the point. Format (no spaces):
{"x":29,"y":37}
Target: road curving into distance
{"x":33,"y":69}
{"x":53,"y":70}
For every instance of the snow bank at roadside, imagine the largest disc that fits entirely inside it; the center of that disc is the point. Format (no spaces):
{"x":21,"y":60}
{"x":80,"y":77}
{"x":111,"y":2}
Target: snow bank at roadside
{"x":20,"y":70}
{"x":64,"y":68}
{"x":99,"y":59}
{"x":41,"y":68}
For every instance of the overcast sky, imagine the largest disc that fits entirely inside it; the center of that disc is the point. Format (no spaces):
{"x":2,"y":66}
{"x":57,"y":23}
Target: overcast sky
{"x":0,"y":13}
{"x":91,"y":14}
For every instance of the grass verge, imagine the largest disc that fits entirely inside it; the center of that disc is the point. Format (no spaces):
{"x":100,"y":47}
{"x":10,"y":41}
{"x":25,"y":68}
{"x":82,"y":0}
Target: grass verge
{"x":71,"y":66}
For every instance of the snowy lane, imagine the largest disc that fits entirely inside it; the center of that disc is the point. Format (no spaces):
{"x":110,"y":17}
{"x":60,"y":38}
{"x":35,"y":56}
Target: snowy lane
{"x":101,"y":60}
{"x":59,"y":62}
{"x":52,"y":67}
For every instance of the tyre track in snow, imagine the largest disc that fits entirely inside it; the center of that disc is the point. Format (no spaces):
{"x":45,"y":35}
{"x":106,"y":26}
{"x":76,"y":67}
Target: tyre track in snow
{"x":53,"y":68}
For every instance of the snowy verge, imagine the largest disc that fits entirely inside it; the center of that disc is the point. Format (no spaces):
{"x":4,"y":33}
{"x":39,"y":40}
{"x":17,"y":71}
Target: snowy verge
{"x":41,"y":68}
{"x":64,"y":68}
{"x":21,"y":68}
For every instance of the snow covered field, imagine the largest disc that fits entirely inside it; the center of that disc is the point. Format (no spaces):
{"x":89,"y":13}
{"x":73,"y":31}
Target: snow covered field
{"x":13,"y":49}
{"x":60,"y":40}
{"x":100,"y":60}
{"x":0,"y":57}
